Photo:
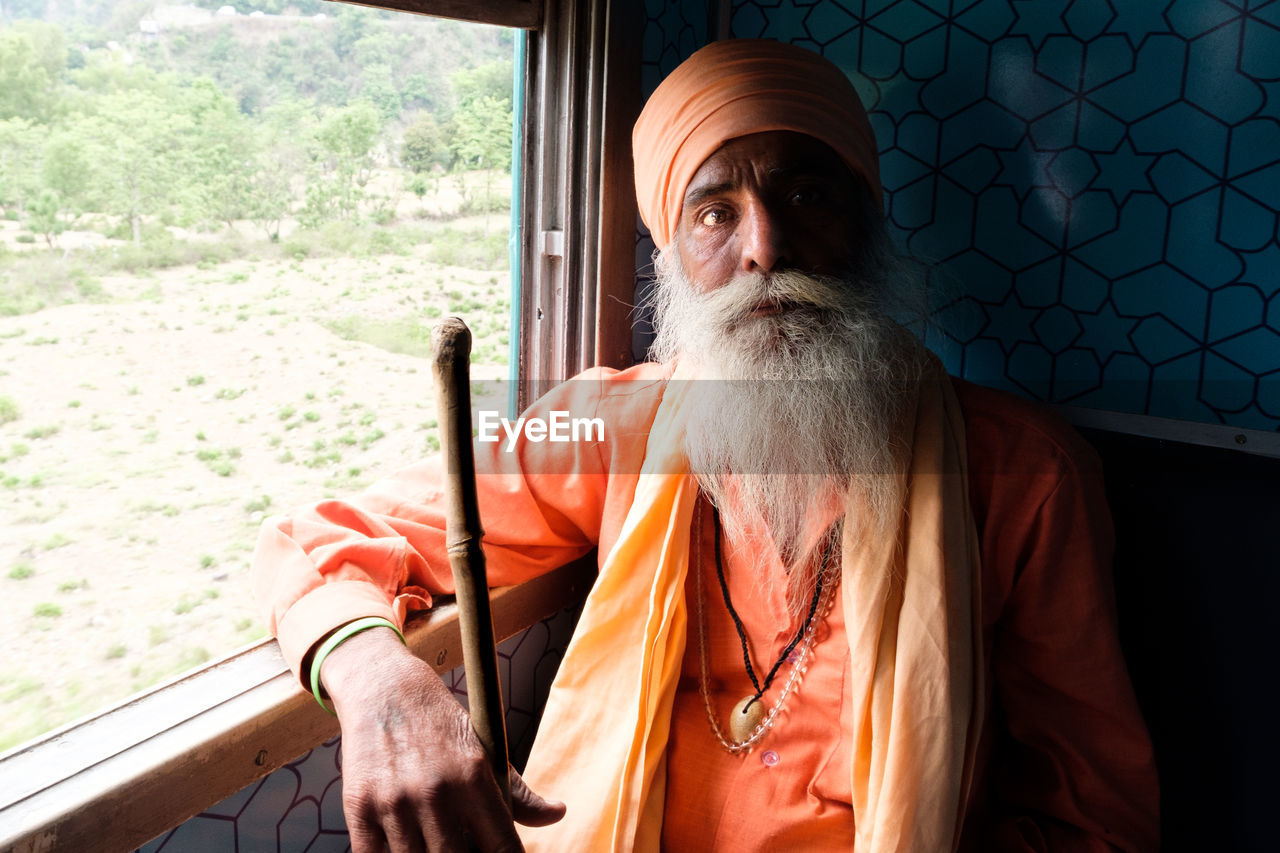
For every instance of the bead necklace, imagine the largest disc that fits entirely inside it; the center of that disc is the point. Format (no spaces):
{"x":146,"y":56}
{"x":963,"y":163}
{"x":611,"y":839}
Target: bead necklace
{"x":749,"y":721}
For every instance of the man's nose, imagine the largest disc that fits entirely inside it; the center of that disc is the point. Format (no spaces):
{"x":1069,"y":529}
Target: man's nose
{"x":765,"y":241}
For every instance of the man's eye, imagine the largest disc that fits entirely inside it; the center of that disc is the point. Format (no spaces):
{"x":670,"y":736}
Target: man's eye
{"x":806,"y":195}
{"x":714,"y":217}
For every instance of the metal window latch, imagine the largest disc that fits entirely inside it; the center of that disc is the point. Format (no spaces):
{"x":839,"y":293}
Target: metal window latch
{"x":553,"y":243}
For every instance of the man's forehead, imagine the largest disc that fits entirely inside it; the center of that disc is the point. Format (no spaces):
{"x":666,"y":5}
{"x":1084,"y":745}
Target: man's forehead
{"x":734,"y":87}
{"x":769,"y":156}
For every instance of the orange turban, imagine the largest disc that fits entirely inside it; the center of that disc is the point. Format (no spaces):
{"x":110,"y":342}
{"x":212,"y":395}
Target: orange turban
{"x":735,"y":88}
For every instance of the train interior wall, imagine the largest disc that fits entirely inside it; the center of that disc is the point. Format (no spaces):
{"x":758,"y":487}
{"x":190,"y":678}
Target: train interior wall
{"x":1095,"y":187}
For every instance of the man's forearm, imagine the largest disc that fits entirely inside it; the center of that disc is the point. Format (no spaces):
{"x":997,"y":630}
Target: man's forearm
{"x":365,"y":665}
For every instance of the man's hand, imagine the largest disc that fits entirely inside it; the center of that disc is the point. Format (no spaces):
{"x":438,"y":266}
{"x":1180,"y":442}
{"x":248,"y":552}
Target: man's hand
{"x":414,"y":775}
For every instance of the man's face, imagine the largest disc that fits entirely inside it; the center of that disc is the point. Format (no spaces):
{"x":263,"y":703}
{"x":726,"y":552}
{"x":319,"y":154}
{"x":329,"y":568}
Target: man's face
{"x":765,"y":203}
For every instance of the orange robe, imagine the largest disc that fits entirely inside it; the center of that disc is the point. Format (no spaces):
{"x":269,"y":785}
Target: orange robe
{"x":1064,"y":761}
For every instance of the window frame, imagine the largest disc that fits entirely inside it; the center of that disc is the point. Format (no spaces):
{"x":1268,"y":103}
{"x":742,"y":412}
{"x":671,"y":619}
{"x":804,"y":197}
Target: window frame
{"x":516,"y":14}
{"x":578,"y":205}
{"x":168,"y":753}
{"x":165,"y":755}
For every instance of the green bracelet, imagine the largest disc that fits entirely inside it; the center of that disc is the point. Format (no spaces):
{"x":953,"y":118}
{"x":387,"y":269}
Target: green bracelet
{"x":336,"y":639}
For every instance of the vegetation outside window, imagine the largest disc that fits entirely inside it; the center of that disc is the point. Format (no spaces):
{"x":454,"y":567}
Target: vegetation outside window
{"x":225,"y":232}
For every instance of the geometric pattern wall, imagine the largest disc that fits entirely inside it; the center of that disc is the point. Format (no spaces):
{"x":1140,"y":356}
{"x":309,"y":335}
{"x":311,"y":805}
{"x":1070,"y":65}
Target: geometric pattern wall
{"x":298,"y":808}
{"x":1095,"y":184}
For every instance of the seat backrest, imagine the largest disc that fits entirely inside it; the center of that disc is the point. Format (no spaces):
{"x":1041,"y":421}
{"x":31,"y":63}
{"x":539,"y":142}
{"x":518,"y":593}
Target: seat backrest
{"x":1198,"y":581}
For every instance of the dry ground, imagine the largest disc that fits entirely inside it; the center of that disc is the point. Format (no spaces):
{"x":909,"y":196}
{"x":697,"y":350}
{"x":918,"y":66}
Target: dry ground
{"x":157,"y":428}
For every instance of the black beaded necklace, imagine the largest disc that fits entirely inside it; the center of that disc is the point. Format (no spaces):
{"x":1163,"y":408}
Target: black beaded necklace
{"x":744,"y":707}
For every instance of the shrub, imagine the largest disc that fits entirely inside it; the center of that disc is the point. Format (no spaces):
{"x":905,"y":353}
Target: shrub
{"x":8,"y":410}
{"x":470,"y":248}
{"x":404,"y":335}
{"x":41,"y":431}
{"x":258,"y":504}
{"x":89,"y":289}
{"x":37,"y":280}
{"x":219,"y":461}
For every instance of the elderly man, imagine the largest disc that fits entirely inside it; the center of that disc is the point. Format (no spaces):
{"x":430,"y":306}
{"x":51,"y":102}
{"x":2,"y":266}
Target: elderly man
{"x":844,"y":601}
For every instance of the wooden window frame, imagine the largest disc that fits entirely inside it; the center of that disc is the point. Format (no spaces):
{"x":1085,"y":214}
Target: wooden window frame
{"x":578,"y":206}
{"x":517,"y":14}
{"x":165,"y":755}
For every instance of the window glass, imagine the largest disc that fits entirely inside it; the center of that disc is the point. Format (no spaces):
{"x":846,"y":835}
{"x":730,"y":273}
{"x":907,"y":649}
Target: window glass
{"x":225,"y":233}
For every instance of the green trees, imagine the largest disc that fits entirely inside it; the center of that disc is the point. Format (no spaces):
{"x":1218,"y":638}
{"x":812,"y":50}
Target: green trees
{"x":19,"y":151}
{"x":490,"y":78}
{"x":116,"y":132}
{"x":481,"y":132}
{"x":66,"y":175}
{"x":219,"y":152}
{"x":137,"y":142}
{"x":341,"y":164}
{"x":424,"y":146}
{"x":482,"y":140}
{"x":42,"y":215}
{"x":32,"y":59}
{"x":281,"y":154}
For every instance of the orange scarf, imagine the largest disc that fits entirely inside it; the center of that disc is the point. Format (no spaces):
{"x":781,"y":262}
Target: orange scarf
{"x":911,"y":603}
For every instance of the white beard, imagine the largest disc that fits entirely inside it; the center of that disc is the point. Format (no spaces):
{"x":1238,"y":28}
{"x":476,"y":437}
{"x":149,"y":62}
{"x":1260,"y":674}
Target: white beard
{"x":805,"y":405}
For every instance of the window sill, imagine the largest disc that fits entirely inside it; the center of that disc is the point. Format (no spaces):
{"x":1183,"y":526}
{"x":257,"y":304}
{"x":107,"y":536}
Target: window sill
{"x":118,"y":779}
{"x":520,"y":14}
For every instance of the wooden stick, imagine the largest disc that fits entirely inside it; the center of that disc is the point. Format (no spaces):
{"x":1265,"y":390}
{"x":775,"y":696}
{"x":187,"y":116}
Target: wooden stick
{"x":451,"y":352}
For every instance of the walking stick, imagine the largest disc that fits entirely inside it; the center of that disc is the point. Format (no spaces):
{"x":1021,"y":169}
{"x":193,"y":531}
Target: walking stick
{"x":451,"y":352}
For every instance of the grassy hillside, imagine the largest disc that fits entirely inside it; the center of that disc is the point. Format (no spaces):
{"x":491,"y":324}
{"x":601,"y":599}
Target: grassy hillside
{"x":222,"y":247}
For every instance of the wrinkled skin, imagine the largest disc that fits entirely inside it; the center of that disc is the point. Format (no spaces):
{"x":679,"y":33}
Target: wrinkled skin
{"x":415,"y":777}
{"x":769,"y":202}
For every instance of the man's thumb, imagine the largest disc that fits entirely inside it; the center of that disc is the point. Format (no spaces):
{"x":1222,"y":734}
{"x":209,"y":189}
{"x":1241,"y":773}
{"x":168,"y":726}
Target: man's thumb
{"x":530,"y":809}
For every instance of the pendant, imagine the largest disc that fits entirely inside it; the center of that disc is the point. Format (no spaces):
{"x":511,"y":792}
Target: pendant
{"x":744,"y":721}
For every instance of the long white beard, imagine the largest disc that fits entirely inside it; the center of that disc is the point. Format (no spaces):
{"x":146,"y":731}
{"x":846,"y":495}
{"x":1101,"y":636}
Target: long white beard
{"x":800,"y":406}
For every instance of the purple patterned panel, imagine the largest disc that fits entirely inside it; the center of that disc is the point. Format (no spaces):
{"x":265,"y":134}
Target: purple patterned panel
{"x":298,"y":808}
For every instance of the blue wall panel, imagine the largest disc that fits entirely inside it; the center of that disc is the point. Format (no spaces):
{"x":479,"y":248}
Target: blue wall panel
{"x":1096,"y":184}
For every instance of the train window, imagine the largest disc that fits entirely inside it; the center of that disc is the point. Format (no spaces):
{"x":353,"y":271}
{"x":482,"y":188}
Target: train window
{"x":225,"y":232}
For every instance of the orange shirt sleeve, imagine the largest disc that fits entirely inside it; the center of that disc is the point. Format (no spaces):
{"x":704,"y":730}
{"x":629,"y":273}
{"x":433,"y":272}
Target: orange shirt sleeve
{"x":1071,"y":766}
{"x":381,"y":553}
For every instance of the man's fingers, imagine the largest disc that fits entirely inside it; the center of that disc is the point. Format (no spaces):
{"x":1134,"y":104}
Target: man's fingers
{"x":529,"y":808}
{"x":442,"y":832}
{"x":404,"y":835}
{"x":366,"y":837}
{"x":488,"y":818}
